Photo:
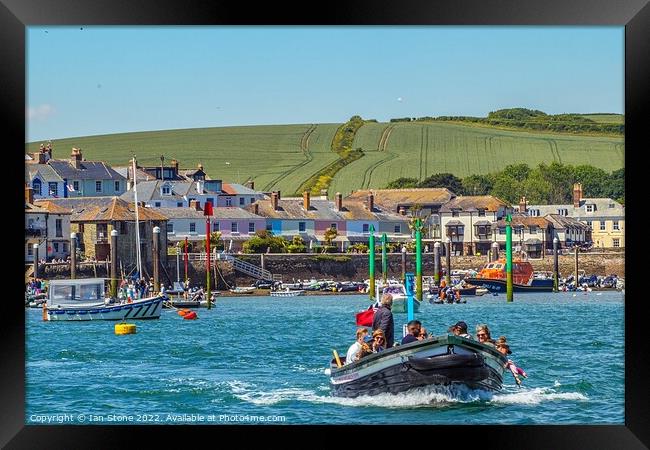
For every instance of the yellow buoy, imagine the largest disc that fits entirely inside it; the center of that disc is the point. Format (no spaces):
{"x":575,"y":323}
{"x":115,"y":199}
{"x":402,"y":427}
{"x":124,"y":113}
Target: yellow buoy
{"x":125,"y":328}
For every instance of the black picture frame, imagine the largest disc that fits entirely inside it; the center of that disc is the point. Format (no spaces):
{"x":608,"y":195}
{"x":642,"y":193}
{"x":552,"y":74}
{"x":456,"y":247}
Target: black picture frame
{"x":15,"y":15}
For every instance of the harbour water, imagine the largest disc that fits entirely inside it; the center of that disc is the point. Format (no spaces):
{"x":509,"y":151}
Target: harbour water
{"x":255,"y":359}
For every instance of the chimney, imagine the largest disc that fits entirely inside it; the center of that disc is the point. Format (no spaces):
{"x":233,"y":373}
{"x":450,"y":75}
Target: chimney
{"x":339,"y":201}
{"x":279,"y":197}
{"x":200,"y":166}
{"x":175,"y":166}
{"x":29,"y":194}
{"x":195,"y":205}
{"x":371,"y":202}
{"x":256,"y":209}
{"x":305,"y":200}
{"x":577,"y":195}
{"x":39,"y":157}
{"x":75,"y":157}
{"x":250,"y":184}
{"x":522,"y":205}
{"x":274,"y":201}
{"x":402,"y":211}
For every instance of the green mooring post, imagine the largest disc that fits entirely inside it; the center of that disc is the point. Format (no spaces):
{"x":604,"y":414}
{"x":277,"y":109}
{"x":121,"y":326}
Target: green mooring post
{"x":371,"y":262}
{"x":508,"y":258}
{"x":418,"y":260}
{"x":384,"y":259}
{"x":436,"y":263}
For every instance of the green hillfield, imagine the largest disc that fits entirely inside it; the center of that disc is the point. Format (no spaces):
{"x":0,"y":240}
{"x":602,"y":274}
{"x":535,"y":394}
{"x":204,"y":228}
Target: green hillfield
{"x":282,"y":157}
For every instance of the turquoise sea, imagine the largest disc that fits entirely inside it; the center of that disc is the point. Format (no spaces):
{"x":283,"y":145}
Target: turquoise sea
{"x":264,"y":360}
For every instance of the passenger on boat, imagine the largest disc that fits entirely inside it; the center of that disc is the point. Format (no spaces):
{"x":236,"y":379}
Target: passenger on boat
{"x":413,"y":328}
{"x":383,"y":319}
{"x":460,"y":329}
{"x":483,"y":335}
{"x":378,"y":341}
{"x":423,"y":334}
{"x":353,"y":351}
{"x":504,"y":349}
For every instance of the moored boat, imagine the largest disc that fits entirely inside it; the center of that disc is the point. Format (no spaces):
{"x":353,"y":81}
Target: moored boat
{"x":243,"y":290}
{"x":493,"y":277}
{"x":287,"y":293}
{"x":442,"y":360}
{"x":398,"y":292}
{"x":83,"y":299}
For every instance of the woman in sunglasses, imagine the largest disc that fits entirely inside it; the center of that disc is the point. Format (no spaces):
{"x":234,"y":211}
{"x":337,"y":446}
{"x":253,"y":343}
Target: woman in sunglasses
{"x":378,"y":341}
{"x":483,"y":335}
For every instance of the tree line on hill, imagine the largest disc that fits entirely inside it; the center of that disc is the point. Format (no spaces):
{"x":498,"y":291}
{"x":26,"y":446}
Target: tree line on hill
{"x":530,"y":119}
{"x":545,"y":184}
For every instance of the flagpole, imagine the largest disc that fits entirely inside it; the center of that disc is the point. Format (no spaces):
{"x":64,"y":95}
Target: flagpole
{"x":137,"y":220}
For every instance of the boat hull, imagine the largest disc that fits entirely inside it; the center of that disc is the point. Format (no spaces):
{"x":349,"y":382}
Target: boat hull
{"x":149,"y":308}
{"x":286,"y":293}
{"x":440,"y":361}
{"x":494,"y":285}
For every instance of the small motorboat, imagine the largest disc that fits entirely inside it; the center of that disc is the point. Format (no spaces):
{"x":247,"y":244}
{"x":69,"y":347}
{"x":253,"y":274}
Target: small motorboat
{"x":287,"y":293}
{"x":243,"y":290}
{"x":442,"y":360}
{"x":400,"y":300}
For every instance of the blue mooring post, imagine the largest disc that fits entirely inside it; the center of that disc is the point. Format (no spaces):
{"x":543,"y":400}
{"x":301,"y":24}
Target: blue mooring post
{"x":409,"y":286}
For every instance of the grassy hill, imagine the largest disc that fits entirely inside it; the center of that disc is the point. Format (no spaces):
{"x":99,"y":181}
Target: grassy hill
{"x":284,"y":156}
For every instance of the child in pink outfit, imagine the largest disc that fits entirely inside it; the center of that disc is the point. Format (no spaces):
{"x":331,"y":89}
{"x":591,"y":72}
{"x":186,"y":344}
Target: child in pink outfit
{"x":504,"y":349}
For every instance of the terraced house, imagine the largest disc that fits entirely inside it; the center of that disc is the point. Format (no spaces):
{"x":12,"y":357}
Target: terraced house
{"x":309,"y":218}
{"x":467,"y":222}
{"x":604,"y":216}
{"x":529,"y":234}
{"x":75,"y":177}
{"x":47,"y":225}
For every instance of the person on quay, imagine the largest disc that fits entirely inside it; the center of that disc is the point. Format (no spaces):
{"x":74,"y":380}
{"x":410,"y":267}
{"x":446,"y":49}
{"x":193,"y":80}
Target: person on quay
{"x":353,"y":351}
{"x":383,"y":320}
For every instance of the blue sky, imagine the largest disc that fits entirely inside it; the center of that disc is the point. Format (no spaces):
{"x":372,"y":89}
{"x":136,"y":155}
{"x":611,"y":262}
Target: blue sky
{"x":89,"y":80}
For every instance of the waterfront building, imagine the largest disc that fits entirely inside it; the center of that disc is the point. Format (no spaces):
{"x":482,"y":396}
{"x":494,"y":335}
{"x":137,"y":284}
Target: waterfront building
{"x":467,"y":221}
{"x":604,"y":216}
{"x":529,"y":234}
{"x":44,"y":181}
{"x":568,"y":231}
{"x":413,"y":202}
{"x":309,"y":218}
{"x":47,"y":225}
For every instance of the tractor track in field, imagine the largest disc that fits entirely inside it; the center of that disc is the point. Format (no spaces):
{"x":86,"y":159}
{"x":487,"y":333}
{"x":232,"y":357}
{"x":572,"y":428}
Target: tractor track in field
{"x":304,"y":147}
{"x":554,"y":150}
{"x":383,"y":143}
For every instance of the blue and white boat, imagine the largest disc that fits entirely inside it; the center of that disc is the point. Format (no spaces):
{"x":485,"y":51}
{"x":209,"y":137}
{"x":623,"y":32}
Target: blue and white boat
{"x":84,"y":299}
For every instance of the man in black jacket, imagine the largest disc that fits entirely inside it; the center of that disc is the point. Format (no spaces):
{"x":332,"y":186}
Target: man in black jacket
{"x":383,"y":319}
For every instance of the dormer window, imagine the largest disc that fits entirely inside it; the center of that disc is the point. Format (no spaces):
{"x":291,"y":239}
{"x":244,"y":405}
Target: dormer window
{"x":563,"y":212}
{"x":612,"y":205}
{"x":590,"y":208}
{"x":166,"y":190}
{"x":455,"y":212}
{"x":481,"y":212}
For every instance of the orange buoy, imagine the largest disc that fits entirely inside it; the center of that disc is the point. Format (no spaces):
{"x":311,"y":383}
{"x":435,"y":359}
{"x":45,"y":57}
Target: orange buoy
{"x":182,"y":312}
{"x":190,"y":316}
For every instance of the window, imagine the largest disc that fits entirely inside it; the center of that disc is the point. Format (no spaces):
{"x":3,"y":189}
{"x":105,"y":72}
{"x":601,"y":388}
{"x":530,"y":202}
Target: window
{"x":252,"y":200}
{"x":117,"y":186}
{"x":532,"y":229}
{"x":366,"y":228}
{"x":602,"y":225}
{"x":64,"y":247}
{"x":30,"y":249}
{"x":563,"y":212}
{"x":533,"y":212}
{"x":54,"y":189}
{"x":59,"y":228}
{"x":333,"y":226}
{"x":589,"y":223}
{"x":518,"y":230}
{"x":229,"y":201}
{"x":455,"y":213}
{"x":98,"y":186}
{"x":166,"y":190}
{"x":216,"y":226}
{"x":481,"y":213}
{"x":75,"y":185}
{"x":170,"y":227}
{"x":81,"y":228}
{"x":616,"y":242}
{"x":123,"y":228}
{"x":56,"y":247}
{"x":36,"y":185}
{"x":242,"y":200}
{"x":397,"y":229}
{"x":590,"y":208}
{"x":192,"y":227}
{"x":616,"y":227}
{"x":234,"y":227}
{"x":102,"y":231}
{"x":269,"y":227}
{"x":157,"y":204}
{"x":502,"y":230}
{"x":251,"y":227}
{"x":482,"y":230}
{"x":611,"y":205}
{"x":302,"y":227}
{"x":179,"y":204}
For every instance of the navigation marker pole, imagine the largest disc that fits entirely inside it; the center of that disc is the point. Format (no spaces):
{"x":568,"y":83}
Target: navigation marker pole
{"x":384,"y":260}
{"x":371,"y":263}
{"x":508,"y":258}
{"x":418,"y":259}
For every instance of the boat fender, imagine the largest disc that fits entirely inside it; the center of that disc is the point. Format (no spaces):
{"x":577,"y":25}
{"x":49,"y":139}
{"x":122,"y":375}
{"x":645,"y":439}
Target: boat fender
{"x":190,"y":316}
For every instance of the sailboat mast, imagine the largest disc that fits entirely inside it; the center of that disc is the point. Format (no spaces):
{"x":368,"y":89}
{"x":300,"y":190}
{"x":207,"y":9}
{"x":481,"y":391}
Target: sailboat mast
{"x":137,"y":219}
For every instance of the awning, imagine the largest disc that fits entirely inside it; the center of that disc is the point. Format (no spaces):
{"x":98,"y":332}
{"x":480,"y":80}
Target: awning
{"x":483,"y":222}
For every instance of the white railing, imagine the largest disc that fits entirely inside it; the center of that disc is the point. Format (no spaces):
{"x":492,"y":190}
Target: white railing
{"x":242,"y":266}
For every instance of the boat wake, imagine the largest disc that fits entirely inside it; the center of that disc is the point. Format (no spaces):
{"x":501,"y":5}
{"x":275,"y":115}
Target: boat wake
{"x":422,"y":397}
